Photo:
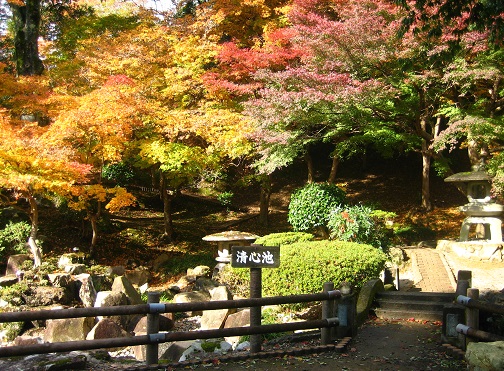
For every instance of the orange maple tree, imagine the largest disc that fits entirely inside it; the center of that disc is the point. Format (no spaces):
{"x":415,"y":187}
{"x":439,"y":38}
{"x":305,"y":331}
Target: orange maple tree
{"x":32,"y":170}
{"x":97,"y":132}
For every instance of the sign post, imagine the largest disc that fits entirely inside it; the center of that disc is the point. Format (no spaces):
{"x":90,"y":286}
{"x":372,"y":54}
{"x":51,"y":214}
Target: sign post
{"x":255,"y":257}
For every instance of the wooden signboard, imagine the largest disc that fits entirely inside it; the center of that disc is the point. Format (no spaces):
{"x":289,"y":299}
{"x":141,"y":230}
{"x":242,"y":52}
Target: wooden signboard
{"x":255,"y":256}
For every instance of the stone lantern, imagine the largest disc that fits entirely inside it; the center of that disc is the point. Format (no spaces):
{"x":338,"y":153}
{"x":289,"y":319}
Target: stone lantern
{"x":481,"y":211}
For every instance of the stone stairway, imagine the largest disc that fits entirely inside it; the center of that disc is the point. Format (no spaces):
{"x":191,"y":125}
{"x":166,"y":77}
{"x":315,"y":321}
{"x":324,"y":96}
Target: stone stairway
{"x":410,"y":304}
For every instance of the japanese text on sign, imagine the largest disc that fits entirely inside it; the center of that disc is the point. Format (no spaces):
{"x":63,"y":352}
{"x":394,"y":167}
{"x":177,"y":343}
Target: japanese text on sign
{"x":255,"y":256}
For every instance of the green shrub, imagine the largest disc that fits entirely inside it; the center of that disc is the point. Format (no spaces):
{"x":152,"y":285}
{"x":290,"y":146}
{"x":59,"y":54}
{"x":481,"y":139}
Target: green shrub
{"x":120,"y":173}
{"x":225,"y":198}
{"x":285,"y":238}
{"x":357,"y":224}
{"x":13,"y":238}
{"x":310,"y":206}
{"x":305,"y":266}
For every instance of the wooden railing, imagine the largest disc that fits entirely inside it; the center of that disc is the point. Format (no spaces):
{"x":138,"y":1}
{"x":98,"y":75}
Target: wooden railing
{"x":153,"y":309}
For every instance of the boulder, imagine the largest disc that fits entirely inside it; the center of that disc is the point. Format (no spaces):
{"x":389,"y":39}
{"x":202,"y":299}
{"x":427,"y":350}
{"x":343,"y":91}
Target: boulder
{"x":191,"y":297}
{"x":117,"y":270}
{"x":122,"y":284}
{"x":106,"y":329}
{"x":184,"y":284}
{"x":139,"y":276}
{"x":238,"y":319}
{"x":102,"y":282}
{"x":366,"y":297}
{"x":205,"y":284}
{"x":166,"y":323}
{"x":47,"y":295}
{"x":68,"y":329}
{"x":199,"y":271}
{"x":27,"y":340}
{"x":170,"y":351}
{"x":60,"y":279}
{"x":75,"y":268}
{"x":15,"y":262}
{"x":87,"y":292}
{"x":111,"y":299}
{"x":215,"y":319}
{"x":485,"y":356}
{"x":9,"y":280}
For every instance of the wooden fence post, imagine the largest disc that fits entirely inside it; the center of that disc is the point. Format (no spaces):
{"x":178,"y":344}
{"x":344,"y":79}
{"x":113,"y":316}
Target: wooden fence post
{"x":255,"y":312}
{"x":472,"y":314}
{"x":327,"y":312}
{"x":151,"y":352}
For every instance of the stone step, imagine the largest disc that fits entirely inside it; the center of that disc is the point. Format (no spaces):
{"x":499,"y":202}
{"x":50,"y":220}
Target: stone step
{"x":417,"y":296}
{"x":418,"y":305}
{"x":409,"y":314}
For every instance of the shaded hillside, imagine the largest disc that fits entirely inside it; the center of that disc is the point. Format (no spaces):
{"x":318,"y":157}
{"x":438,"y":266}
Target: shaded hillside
{"x":134,"y":236}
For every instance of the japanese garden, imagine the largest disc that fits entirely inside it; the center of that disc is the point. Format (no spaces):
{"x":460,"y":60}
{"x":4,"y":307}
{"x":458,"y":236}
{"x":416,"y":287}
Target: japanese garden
{"x":144,"y":142}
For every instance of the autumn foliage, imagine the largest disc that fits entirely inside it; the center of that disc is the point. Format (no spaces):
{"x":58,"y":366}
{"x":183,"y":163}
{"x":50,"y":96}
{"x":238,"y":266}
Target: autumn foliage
{"x":251,"y":85}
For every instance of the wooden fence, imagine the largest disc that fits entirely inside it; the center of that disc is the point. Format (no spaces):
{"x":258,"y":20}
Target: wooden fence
{"x":472,"y":307}
{"x":153,"y":309}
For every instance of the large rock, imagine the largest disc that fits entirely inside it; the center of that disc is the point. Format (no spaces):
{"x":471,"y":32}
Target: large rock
{"x":238,"y":319}
{"x":166,"y":323}
{"x":366,"y":297}
{"x":170,"y":351}
{"x":9,"y":280}
{"x":106,"y":329}
{"x":69,"y":329}
{"x":112,"y":299}
{"x":485,"y":356}
{"x":139,"y":276}
{"x":184,"y":284}
{"x":15,"y":262}
{"x":191,"y":297}
{"x":45,"y":296}
{"x":122,"y":284}
{"x":215,"y":319}
{"x":27,"y":340}
{"x":117,"y":270}
{"x":87,"y":292}
{"x":75,"y":269}
{"x":199,"y":271}
{"x":60,"y":279}
{"x":205,"y":284}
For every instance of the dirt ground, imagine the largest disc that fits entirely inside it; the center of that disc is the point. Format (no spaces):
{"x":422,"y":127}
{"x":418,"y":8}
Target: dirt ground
{"x":379,"y":345}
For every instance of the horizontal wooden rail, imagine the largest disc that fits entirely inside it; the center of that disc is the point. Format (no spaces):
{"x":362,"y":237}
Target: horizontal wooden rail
{"x":478,"y":334}
{"x":477,"y":304}
{"x":162,"y":337}
{"x":164,"y":307}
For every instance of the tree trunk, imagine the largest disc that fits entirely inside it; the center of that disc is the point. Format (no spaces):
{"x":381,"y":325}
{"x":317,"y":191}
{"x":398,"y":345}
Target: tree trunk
{"x":26,"y":24}
{"x":265,"y":199}
{"x":94,"y":239}
{"x":309,"y":165}
{"x":426,"y":162}
{"x":334,"y":169}
{"x":32,"y":240}
{"x":167,"y":209}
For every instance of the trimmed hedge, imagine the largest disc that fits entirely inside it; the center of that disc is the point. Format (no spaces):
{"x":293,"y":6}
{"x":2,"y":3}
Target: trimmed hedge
{"x":305,"y":266}
{"x":284,"y":238}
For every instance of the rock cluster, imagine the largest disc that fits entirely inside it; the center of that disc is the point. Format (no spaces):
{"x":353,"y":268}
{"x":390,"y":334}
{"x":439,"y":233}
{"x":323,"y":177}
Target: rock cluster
{"x":72,"y":286}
